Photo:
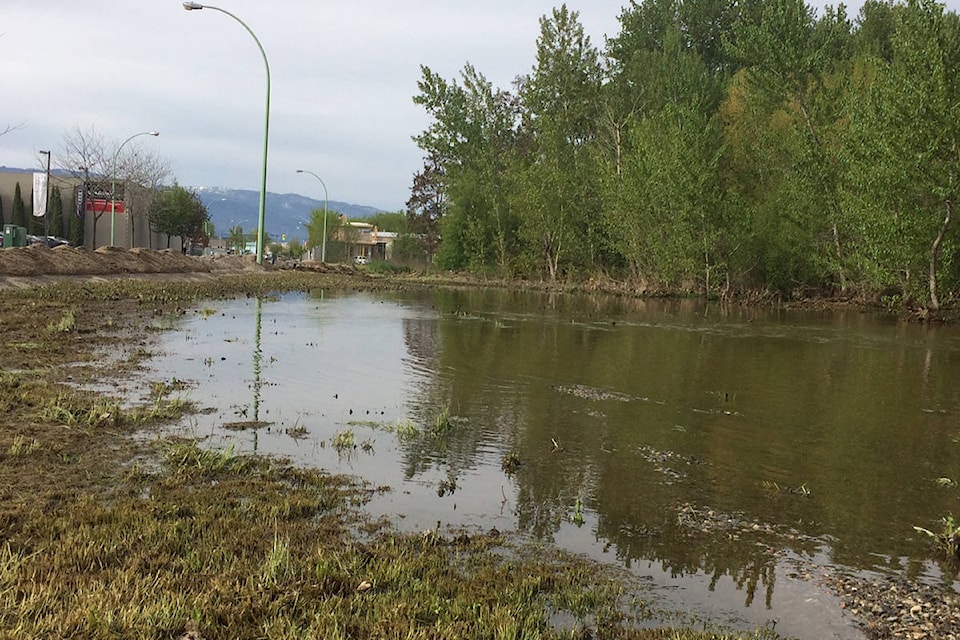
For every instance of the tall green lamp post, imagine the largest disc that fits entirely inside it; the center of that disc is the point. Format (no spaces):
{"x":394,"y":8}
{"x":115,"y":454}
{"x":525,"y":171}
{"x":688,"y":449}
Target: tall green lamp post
{"x":196,"y":6}
{"x":323,"y":244}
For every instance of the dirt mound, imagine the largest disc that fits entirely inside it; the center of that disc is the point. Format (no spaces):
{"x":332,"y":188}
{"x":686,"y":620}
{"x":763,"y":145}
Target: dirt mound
{"x":37,"y":260}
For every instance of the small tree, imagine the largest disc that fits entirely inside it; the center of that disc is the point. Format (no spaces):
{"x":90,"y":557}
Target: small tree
{"x":56,"y":213}
{"x":19,"y":215}
{"x":75,"y":233}
{"x":176,"y":211}
{"x":237,"y":240}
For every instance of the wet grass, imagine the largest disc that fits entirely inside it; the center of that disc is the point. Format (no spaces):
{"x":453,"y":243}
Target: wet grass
{"x":106,"y":533}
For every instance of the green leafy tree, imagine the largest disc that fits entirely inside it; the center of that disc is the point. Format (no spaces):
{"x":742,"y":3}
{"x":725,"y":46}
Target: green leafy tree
{"x":176,"y":211}
{"x":315,"y":229}
{"x":465,"y":185}
{"x":794,"y":90}
{"x":237,"y":239}
{"x":395,"y":222}
{"x":18,"y":215}
{"x":557,"y":195}
{"x":56,"y":213}
{"x":904,"y":157}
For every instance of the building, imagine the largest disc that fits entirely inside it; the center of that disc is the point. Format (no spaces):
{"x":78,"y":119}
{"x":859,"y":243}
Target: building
{"x":128,"y":224}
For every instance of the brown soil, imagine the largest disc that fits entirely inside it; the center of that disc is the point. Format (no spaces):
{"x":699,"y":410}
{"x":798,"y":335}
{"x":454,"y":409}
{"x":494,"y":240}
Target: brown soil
{"x":39,"y":260}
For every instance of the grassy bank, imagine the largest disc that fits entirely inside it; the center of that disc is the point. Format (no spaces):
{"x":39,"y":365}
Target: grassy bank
{"x":109,"y":531}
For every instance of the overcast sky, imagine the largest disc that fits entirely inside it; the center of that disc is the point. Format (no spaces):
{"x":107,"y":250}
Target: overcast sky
{"x":343,"y":76}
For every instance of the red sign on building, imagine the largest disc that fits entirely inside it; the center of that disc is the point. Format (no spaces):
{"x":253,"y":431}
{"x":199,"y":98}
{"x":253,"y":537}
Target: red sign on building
{"x":103,"y":206}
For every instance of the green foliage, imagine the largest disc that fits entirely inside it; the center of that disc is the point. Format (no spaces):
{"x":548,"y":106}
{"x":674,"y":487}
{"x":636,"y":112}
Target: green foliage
{"x":395,"y":222}
{"x":55,"y":211}
{"x":904,"y":175}
{"x":718,"y":146}
{"x":237,"y":240}
{"x":176,"y":211}
{"x":334,"y":229}
{"x":18,"y":215}
{"x":947,"y":539}
{"x":75,"y":230}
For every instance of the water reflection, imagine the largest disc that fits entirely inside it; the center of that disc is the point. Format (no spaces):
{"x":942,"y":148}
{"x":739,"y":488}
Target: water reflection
{"x":705,"y":443}
{"x":257,"y":359}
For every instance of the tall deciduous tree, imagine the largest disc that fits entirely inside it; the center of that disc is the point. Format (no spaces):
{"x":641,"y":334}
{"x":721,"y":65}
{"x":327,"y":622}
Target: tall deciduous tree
{"x":469,"y":145}
{"x":558,"y":196}
{"x":794,"y":66}
{"x":906,"y":155}
{"x":176,"y":211}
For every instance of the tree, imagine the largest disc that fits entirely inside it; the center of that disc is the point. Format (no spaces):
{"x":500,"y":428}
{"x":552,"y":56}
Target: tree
{"x":557,"y":197}
{"x":19,"y":214}
{"x":75,"y":229}
{"x":792,"y":88}
{"x":56,"y":213}
{"x":427,"y":206}
{"x":316,"y":227}
{"x":176,"y":211}
{"x":87,"y":154}
{"x":237,"y":240}
{"x":468,"y":146}
{"x":904,"y":172}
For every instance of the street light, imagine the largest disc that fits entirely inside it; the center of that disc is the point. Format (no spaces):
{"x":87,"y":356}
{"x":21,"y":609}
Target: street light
{"x":113,"y":183}
{"x":196,"y":6}
{"x":323,"y":244}
{"x":46,"y":198}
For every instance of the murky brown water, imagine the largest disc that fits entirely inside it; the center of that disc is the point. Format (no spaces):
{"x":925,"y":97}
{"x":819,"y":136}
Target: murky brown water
{"x":712,"y":449}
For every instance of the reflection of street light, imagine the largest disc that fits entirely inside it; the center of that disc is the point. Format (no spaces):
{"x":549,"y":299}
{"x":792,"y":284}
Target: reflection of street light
{"x":323,"y":244}
{"x":196,"y":6}
{"x":46,"y":199}
{"x":113,"y":183}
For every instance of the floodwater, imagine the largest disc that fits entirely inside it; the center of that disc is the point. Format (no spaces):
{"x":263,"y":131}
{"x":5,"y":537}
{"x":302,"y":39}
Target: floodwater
{"x":719,"y":453}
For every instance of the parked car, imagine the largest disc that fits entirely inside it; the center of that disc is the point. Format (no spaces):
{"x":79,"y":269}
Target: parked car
{"x":50,"y":241}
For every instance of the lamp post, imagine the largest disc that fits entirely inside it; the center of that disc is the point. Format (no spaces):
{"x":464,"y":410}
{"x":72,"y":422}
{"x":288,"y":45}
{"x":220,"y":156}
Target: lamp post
{"x":323,"y":243}
{"x":196,"y":6}
{"x":113,"y":183}
{"x":46,"y":199}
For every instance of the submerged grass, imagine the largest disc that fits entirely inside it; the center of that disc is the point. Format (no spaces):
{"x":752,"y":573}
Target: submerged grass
{"x":106,"y":536}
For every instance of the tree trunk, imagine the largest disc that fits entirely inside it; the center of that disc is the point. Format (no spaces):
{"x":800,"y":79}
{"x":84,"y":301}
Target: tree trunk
{"x":935,"y":255}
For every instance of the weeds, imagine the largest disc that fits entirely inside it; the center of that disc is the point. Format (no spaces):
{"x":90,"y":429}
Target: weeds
{"x":577,"y":517}
{"x":189,"y":458}
{"x":441,"y":424}
{"x":21,"y":446}
{"x":406,"y":429}
{"x":511,"y":463}
{"x":947,"y":540}
{"x":344,"y":440}
{"x":276,"y":568}
{"x":297,"y":431}
{"x":67,"y":322}
{"x":802,"y":490}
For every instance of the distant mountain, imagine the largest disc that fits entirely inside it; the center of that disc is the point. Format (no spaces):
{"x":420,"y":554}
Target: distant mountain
{"x":231,"y":207}
{"x":285,"y":213}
